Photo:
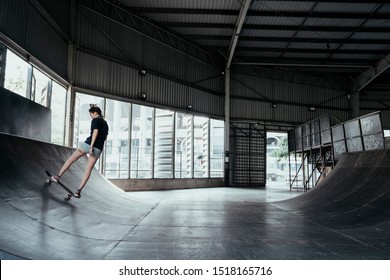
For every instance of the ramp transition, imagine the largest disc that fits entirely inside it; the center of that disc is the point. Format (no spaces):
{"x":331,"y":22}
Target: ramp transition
{"x":37,"y":223}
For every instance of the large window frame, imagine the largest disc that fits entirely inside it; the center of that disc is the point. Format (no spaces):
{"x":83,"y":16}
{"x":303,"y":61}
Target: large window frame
{"x":159,"y":141}
{"x":28,"y":81}
{"x":162,"y":144}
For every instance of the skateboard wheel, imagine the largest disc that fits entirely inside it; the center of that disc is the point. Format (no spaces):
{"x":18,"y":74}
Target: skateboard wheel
{"x":47,"y":181}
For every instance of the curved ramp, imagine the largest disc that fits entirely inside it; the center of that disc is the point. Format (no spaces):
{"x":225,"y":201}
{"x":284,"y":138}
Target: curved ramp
{"x":357,"y":192}
{"x":37,"y":223}
{"x":353,"y":201}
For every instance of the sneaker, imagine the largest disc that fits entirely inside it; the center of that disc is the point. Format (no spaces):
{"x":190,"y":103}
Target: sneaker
{"x":55,"y":178}
{"x":78,"y":193}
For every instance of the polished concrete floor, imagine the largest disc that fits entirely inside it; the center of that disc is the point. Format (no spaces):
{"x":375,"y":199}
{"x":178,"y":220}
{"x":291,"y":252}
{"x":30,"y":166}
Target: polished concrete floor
{"x":234,"y":223}
{"x":217,"y":223}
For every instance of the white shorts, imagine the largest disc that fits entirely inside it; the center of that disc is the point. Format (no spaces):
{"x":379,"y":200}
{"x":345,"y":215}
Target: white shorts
{"x":85,"y":148}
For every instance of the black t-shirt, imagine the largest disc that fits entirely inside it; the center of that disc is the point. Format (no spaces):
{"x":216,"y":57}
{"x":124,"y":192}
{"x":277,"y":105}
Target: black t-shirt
{"x":101,"y":125}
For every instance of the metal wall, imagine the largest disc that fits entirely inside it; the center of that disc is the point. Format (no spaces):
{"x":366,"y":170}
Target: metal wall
{"x":285,"y":101}
{"x":110,"y":54}
{"x":99,"y":74}
{"x":118,"y":80}
{"x":26,"y":26}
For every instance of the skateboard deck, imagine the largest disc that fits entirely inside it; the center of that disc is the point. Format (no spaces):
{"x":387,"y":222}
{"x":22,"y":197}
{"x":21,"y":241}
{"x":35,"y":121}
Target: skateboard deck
{"x":49,"y":180}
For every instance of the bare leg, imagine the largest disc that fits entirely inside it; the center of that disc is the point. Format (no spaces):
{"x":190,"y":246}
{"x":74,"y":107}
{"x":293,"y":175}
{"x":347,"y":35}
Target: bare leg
{"x":74,"y":157}
{"x":88,"y":170}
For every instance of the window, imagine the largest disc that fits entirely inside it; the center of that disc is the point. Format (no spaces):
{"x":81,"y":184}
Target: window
{"x":58,"y":112}
{"x":163,"y":155}
{"x":117,"y":150}
{"x":217,"y":152}
{"x":141,"y":134}
{"x":16,"y":74}
{"x":82,"y":119}
{"x":41,"y":88}
{"x":201,"y":147}
{"x":183,"y":146}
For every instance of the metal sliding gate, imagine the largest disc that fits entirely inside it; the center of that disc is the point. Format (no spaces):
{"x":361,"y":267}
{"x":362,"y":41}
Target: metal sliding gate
{"x":247,"y":154}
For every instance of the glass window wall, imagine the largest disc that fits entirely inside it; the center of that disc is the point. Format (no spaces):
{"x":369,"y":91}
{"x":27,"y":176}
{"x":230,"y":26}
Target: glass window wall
{"x":163,"y":144}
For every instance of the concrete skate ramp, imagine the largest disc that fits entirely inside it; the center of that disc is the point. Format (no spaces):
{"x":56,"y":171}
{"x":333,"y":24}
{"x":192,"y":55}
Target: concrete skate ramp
{"x":354,"y":200}
{"x":37,"y":223}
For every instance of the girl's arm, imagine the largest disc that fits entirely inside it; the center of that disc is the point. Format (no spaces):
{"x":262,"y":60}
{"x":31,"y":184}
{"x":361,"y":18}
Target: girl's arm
{"x":95,"y":133}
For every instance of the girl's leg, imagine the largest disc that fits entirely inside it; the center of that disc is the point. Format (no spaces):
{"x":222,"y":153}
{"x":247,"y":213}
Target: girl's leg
{"x":74,"y":157}
{"x":87,"y":173}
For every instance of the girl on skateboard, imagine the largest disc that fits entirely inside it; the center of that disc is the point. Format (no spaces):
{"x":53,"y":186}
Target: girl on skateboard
{"x":92,"y":146}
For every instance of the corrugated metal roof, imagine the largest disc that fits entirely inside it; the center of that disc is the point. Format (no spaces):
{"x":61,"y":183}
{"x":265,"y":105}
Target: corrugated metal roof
{"x":282,"y":6}
{"x":186,"y":4}
{"x":188,"y":18}
{"x":321,"y":35}
{"x":349,"y":8}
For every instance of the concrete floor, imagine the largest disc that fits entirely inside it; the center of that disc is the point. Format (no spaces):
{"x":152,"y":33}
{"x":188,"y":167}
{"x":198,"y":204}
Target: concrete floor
{"x":233,"y":223}
{"x":217,"y":223}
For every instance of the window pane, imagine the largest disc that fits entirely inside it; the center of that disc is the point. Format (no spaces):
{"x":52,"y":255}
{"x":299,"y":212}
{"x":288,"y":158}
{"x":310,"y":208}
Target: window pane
{"x":58,"y":111}
{"x":16,"y":72}
{"x":82,"y":119}
{"x":163,"y":155}
{"x":217,"y":149}
{"x":201,"y":147}
{"x":183,"y":157}
{"x":141,"y":141}
{"x":117,"y":150}
{"x":40,"y":92}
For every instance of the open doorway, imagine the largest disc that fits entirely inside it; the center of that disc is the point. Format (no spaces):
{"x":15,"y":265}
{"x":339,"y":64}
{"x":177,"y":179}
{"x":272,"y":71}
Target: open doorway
{"x":277,"y":160}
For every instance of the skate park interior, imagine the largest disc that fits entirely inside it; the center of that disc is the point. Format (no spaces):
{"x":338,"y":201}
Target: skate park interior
{"x":331,"y":203}
{"x":345,"y":217}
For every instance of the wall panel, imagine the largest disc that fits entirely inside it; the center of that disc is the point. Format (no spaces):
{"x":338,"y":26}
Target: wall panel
{"x":93,"y":72}
{"x":45,"y":43}
{"x":24,"y":25}
{"x":13,"y":19}
{"x":109,"y":77}
{"x":252,"y":98}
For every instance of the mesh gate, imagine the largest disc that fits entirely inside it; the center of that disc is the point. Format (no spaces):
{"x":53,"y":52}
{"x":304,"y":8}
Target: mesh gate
{"x":248,"y":155}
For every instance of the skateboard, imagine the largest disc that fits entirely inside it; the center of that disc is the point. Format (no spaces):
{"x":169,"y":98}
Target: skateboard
{"x":49,"y":180}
